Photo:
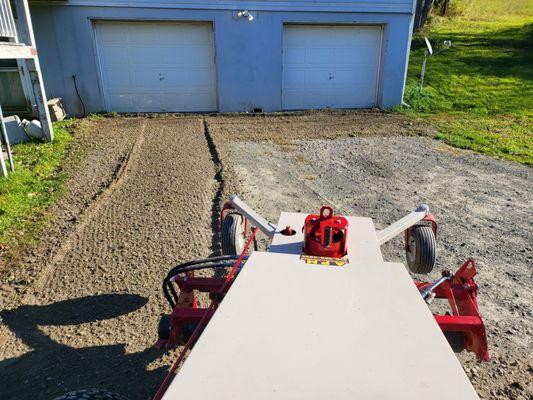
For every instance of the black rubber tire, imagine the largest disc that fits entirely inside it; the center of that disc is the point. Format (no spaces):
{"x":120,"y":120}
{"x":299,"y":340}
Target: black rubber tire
{"x":91,"y":394}
{"x":456,"y":341}
{"x":163,"y":329}
{"x":422,"y":249}
{"x":232,"y":234}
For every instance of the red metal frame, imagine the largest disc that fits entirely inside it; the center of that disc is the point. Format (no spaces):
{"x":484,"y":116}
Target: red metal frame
{"x":187,"y":315}
{"x":461,"y":294}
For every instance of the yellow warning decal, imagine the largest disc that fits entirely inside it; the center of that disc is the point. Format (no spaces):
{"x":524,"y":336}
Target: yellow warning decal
{"x":326,"y":261}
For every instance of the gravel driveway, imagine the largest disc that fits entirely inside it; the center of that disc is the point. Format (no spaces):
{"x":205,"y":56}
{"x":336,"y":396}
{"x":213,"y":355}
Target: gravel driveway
{"x":83,"y":307}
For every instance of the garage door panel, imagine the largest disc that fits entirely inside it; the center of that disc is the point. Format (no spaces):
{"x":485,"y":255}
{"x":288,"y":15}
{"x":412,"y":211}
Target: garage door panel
{"x":313,"y":98}
{"x":157,"y":66}
{"x":200,"y":78}
{"x":358,"y":80}
{"x":369,"y":36}
{"x":198,"y":56}
{"x":113,"y":34}
{"x":330,"y":66}
{"x":121,"y":102}
{"x":148,"y":101}
{"x":194,"y":35}
{"x":115,"y":55}
{"x":314,"y":78}
{"x":310,"y":79}
{"x":357,"y":57}
{"x":319,"y":56}
{"x":295,"y":78}
{"x":182,"y":80}
{"x":194,"y":100}
{"x":296,"y":38}
{"x":147,"y":55}
{"x":148,"y":79}
{"x":342,"y":98}
{"x":125,"y":80}
{"x":295,"y":56}
{"x":143,"y":33}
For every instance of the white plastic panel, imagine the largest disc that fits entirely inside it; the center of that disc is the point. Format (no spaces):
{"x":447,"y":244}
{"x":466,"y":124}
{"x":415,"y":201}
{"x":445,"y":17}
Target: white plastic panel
{"x":157,"y":66}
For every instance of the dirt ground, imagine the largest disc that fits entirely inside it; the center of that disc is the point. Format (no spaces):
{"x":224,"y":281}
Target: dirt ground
{"x":89,"y":318}
{"x":83,"y":306}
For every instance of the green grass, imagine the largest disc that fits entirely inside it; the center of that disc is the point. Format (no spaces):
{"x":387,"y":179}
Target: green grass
{"x":491,"y":9}
{"x":479,"y":93}
{"x":36,"y":184}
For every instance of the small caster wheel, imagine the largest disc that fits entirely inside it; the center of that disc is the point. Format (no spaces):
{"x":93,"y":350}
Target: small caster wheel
{"x":163,"y":329}
{"x":421,"y":249}
{"x":233,"y":234}
{"x":456,"y":340}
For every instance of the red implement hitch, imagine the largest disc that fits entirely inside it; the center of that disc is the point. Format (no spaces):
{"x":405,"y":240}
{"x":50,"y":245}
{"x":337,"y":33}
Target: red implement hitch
{"x":464,"y":328}
{"x":325,"y":234}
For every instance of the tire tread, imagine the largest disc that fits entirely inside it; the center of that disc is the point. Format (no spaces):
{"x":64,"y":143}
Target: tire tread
{"x":425,"y":250}
{"x":229,"y":232}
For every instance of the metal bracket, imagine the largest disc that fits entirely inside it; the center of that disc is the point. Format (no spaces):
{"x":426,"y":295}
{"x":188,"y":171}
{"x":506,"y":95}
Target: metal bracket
{"x":401,"y":225}
{"x":268,"y":228}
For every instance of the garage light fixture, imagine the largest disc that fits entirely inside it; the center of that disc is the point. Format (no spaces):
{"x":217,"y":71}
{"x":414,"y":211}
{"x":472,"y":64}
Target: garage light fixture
{"x":245,"y":14}
{"x":429,"y":52}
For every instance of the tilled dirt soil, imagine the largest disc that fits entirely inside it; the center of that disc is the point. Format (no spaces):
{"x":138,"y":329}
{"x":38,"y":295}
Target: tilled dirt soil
{"x":81,"y":309}
{"x":90,"y":316}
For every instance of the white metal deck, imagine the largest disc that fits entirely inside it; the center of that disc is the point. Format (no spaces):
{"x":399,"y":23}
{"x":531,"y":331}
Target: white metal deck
{"x":289,"y":330}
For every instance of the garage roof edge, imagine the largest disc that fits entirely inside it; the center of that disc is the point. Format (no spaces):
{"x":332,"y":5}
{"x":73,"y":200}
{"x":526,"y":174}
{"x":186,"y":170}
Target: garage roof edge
{"x":405,"y":7}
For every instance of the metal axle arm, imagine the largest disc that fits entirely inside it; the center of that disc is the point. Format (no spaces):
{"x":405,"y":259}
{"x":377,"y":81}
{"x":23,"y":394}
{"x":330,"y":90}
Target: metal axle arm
{"x":401,"y":225}
{"x":268,"y":228}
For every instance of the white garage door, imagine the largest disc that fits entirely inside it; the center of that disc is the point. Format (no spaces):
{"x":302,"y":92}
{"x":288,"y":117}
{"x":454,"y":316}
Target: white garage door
{"x":330,"y":66}
{"x":157,"y":66}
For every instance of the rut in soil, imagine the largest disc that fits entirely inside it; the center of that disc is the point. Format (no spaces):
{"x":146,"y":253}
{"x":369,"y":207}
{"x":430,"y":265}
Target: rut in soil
{"x":219,"y":190}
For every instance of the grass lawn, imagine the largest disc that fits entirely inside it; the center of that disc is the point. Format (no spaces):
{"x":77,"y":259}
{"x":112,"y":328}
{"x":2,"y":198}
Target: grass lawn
{"x":479,"y":93}
{"x":26,"y":194}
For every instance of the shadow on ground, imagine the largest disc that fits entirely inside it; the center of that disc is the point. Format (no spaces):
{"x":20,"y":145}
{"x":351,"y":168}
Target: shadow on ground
{"x":63,"y":368}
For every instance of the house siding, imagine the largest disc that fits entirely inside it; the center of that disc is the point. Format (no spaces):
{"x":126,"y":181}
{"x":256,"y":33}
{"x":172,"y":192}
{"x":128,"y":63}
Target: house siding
{"x":248,"y":55}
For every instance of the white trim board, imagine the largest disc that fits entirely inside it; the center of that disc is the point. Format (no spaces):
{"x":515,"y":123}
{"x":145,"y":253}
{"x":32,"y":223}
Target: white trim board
{"x":404,"y":7}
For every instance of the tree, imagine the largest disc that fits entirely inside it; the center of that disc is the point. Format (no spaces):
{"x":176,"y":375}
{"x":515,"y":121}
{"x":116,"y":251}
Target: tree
{"x":423,"y":9}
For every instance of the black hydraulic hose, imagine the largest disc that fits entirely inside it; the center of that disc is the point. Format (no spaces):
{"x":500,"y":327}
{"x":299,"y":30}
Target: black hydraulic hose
{"x":172,"y":297}
{"x":196,"y":268}
{"x":176,"y":270}
{"x":168,"y":289}
{"x":208,"y":263}
{"x":79,"y":97}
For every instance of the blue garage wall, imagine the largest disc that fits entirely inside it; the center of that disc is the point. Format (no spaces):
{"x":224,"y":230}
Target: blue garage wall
{"x":248,"y":54}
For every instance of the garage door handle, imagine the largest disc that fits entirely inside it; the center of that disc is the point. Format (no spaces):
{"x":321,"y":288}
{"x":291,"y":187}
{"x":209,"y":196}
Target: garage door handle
{"x":331,"y":77}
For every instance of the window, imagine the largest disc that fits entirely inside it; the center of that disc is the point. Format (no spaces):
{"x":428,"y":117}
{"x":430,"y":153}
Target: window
{"x":12,"y":97}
